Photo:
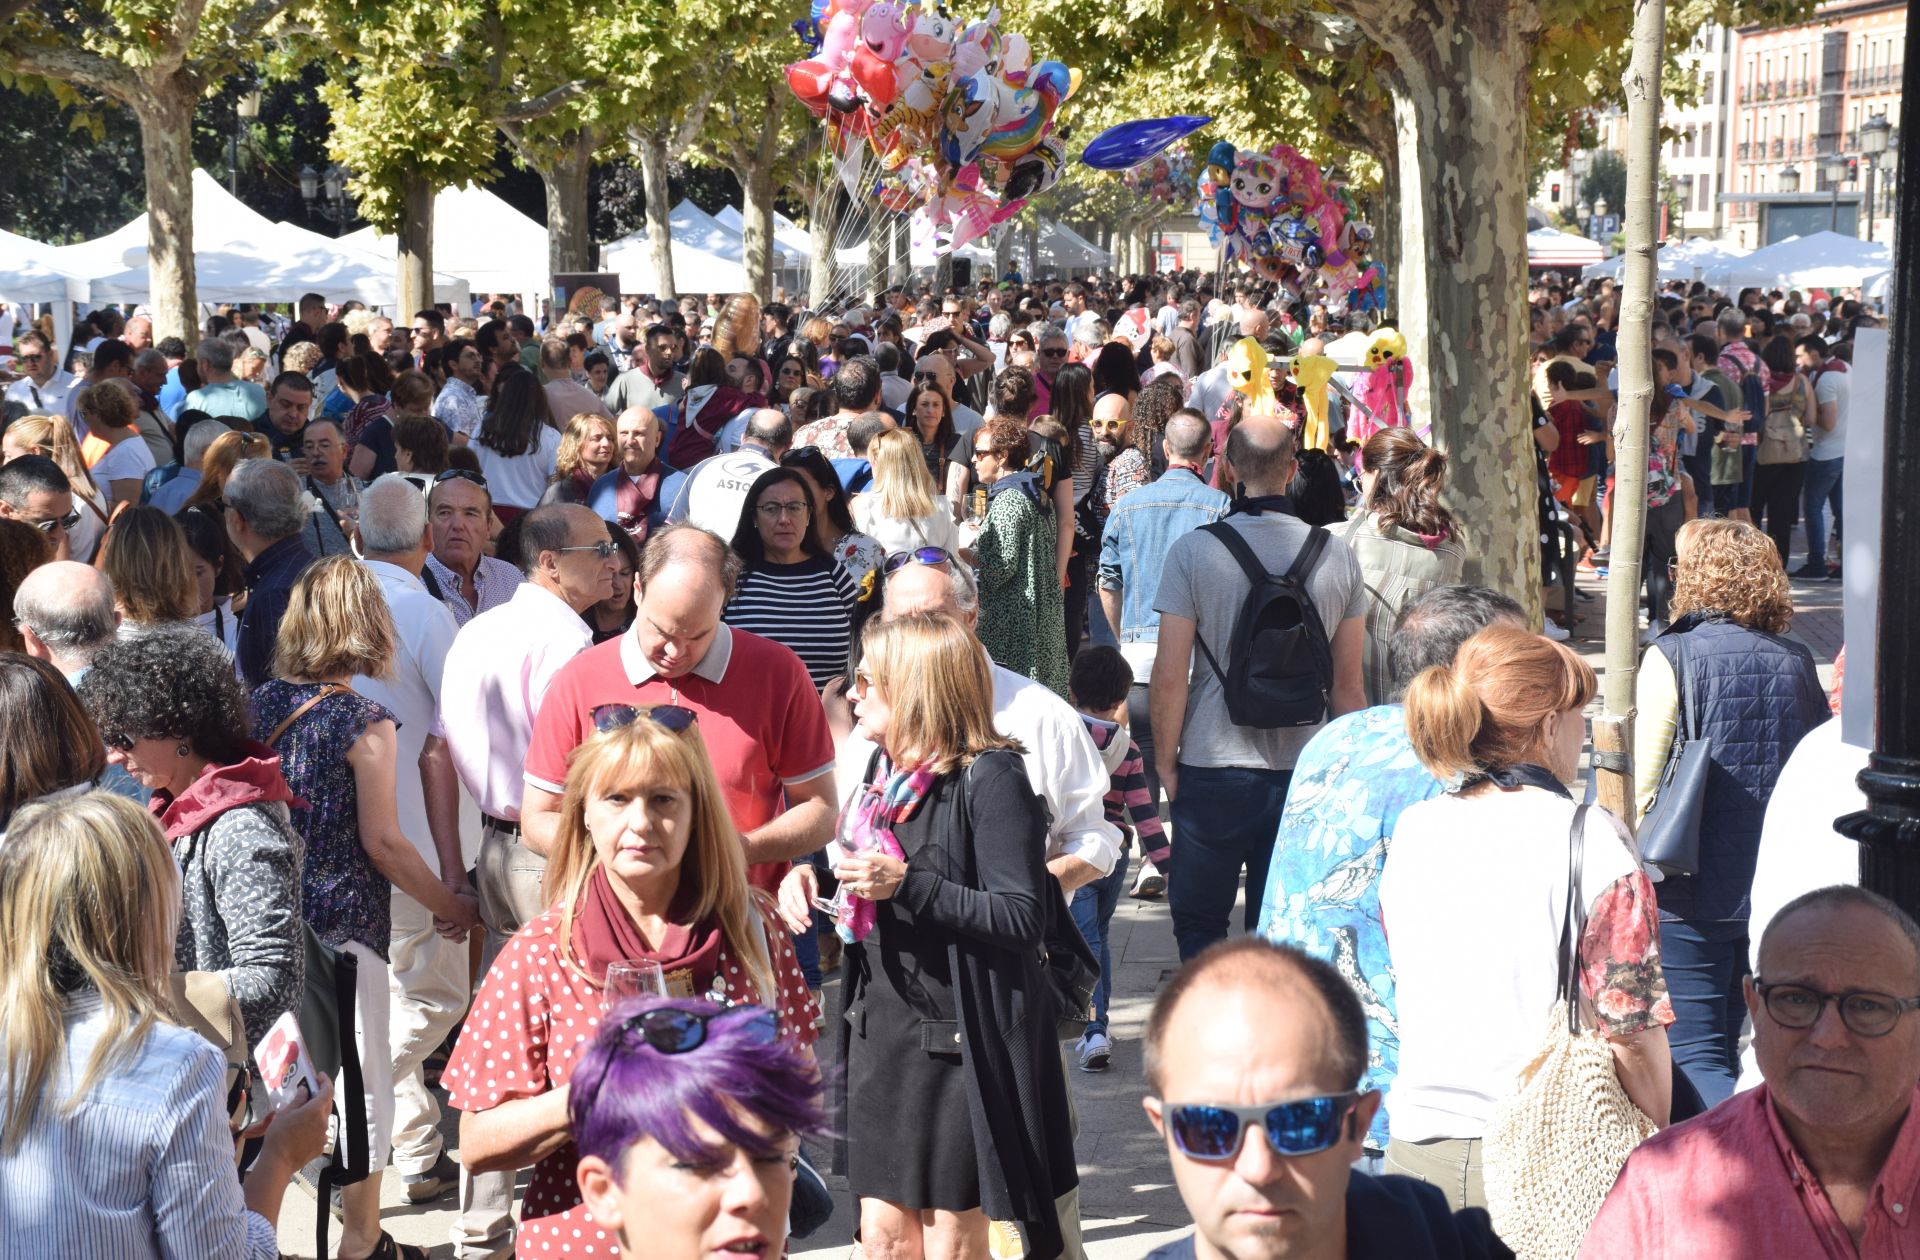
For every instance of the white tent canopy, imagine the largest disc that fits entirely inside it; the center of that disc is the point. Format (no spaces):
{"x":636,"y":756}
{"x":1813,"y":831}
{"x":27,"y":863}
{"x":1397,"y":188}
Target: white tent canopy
{"x":1819,"y":260}
{"x":1550,"y":247}
{"x":31,"y":272}
{"x":240,"y":255}
{"x":1677,"y":260}
{"x":479,"y":238}
{"x":787,"y":235}
{"x":1061,"y":246}
{"x":708,"y":256}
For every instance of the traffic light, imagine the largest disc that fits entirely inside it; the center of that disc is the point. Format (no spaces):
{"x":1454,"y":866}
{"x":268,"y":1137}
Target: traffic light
{"x":1853,"y":169}
{"x":1556,"y":194}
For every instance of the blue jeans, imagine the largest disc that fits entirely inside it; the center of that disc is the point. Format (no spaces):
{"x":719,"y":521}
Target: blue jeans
{"x":1093,"y":906}
{"x":1823,"y":488}
{"x":806,"y":952}
{"x":1705,"y":961}
{"x":1224,"y":819}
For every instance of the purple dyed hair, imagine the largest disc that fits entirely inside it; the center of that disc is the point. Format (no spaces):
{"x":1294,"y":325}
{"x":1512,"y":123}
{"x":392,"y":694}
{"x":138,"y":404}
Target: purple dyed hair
{"x":752,"y":1094}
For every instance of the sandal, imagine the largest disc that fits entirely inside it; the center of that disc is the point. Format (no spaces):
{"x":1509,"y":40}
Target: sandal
{"x":388,"y":1249}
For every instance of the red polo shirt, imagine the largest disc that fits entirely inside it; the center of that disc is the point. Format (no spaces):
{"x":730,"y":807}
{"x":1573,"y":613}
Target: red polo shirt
{"x":759,"y":715}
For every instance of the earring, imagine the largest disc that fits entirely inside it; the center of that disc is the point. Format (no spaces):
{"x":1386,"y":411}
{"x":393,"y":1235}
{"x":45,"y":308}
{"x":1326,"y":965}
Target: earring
{"x":181,"y":750}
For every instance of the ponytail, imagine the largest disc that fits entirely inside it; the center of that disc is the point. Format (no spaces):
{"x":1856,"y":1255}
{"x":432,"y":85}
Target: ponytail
{"x":1409,"y":477}
{"x":1444,"y":721}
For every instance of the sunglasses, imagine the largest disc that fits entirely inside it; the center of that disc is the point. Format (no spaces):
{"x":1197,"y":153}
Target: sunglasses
{"x":1212,"y":1133}
{"x":461,"y":474}
{"x":1053,"y":354}
{"x":62,"y":522}
{"x":798,"y":453}
{"x":613,"y":717}
{"x":601,"y":549}
{"x":669,"y":1030}
{"x":932,"y":556}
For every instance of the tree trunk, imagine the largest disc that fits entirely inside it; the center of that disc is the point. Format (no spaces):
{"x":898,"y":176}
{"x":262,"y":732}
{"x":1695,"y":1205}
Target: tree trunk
{"x":564,"y":173}
{"x":653,"y":178}
{"x":1002,"y":251}
{"x":824,"y":232}
{"x":757,"y":187}
{"x":1636,"y":379}
{"x":1033,"y":244}
{"x":165,"y":114}
{"x":1386,"y":227}
{"x":1461,"y":122}
{"x":414,"y":241}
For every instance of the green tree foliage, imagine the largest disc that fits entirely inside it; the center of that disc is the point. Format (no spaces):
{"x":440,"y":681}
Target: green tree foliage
{"x":73,"y":172}
{"x":1606,"y":179}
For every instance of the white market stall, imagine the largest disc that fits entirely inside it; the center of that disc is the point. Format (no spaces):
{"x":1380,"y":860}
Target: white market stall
{"x":1677,"y":260}
{"x":30,"y":272}
{"x":480,"y":239}
{"x":1819,"y":260}
{"x":708,"y":256}
{"x":1550,"y":247}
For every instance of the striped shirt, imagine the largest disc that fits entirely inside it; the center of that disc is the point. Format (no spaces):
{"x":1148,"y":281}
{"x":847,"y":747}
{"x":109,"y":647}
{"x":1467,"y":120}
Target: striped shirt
{"x":142,"y":1169}
{"x":1130,"y":800}
{"x":807,"y":607}
{"x":494,"y":581}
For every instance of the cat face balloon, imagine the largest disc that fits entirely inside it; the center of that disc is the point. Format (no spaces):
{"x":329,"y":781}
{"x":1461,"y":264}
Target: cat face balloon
{"x":1257,"y":182}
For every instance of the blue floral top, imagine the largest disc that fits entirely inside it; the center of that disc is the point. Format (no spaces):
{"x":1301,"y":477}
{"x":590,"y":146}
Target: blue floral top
{"x":1349,"y":786}
{"x":344,"y":896}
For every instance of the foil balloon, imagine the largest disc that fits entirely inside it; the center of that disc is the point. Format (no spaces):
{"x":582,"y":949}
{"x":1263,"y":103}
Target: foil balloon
{"x":1131,"y":143}
{"x":1380,"y":395}
{"x":1037,"y":170}
{"x":1247,"y":373}
{"x":1311,"y":374}
{"x":884,"y":30}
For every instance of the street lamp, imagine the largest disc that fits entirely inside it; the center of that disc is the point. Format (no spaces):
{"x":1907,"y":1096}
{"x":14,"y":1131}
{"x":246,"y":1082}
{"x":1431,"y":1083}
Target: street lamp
{"x":1874,"y":134}
{"x":1789,"y":180}
{"x":245,"y":110}
{"x":1836,"y":169}
{"x":1683,"y":184}
{"x":325,"y":192}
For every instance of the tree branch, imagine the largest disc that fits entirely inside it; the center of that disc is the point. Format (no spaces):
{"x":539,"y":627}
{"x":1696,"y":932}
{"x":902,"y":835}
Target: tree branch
{"x":546,"y":103}
{"x":247,"y":26}
{"x":71,"y":65}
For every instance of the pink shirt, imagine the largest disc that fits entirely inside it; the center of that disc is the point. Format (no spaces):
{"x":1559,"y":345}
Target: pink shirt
{"x":1730,"y":1183}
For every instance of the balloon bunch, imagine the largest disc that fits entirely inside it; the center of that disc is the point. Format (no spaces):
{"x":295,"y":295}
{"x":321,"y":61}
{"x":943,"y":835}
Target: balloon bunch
{"x":1277,"y":213}
{"x":960,"y":118}
{"x":1167,"y":179}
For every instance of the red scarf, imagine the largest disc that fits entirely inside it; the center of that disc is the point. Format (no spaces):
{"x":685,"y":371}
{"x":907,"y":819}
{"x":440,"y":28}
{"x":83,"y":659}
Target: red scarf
{"x":633,"y":500}
{"x":603,"y":933}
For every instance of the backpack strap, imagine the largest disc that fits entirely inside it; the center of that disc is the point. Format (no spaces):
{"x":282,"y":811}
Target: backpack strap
{"x":1303,"y":564}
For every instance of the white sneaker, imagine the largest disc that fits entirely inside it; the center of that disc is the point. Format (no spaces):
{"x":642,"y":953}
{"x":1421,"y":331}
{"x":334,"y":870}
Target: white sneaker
{"x":1558,"y":633}
{"x":1095,"y":1050}
{"x":1148,"y":882}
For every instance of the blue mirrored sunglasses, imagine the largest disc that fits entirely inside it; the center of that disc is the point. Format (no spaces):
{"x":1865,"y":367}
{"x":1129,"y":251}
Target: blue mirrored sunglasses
{"x":1305,"y":1126}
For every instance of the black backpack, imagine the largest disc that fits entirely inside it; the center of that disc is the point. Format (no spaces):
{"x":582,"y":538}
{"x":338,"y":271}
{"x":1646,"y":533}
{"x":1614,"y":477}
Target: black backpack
{"x":1282,"y":662}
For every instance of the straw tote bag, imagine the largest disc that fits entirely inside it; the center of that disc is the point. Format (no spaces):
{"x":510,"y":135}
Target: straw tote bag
{"x":1553,"y":1147}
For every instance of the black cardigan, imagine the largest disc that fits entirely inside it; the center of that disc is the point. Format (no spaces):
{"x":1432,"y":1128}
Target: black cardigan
{"x":982,"y":872}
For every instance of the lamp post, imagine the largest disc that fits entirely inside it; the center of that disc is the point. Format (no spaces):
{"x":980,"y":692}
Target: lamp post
{"x":1874,"y":134}
{"x":1584,"y":213}
{"x":1683,"y":184}
{"x":245,"y":110}
{"x":325,"y":192}
{"x":1836,"y":169}
{"x":1789,"y":180}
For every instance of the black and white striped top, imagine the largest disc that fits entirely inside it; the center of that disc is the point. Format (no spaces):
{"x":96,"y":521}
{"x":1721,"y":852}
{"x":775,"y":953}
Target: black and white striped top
{"x":806,"y":606}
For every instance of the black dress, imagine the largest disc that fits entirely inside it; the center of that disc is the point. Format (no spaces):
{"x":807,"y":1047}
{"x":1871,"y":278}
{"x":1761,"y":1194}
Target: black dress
{"x":944,"y":996}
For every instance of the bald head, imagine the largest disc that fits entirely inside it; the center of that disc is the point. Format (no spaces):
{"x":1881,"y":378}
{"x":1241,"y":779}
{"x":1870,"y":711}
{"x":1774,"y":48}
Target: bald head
{"x":1189,"y":437}
{"x":1254,"y":324}
{"x":66,"y":613}
{"x":1260,"y":454}
{"x":1314,"y":345}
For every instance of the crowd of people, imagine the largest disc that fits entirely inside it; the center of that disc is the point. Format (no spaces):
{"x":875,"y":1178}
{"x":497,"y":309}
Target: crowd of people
{"x":521,"y":708}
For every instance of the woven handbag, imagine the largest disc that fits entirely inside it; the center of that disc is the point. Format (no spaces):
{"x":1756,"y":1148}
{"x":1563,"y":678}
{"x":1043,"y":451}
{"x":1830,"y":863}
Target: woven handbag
{"x":1553,"y":1147}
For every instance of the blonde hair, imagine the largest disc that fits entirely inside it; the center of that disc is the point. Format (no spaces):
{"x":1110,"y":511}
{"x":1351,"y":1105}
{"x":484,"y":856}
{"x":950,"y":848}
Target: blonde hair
{"x":714,"y":865}
{"x":89,"y":899}
{"x":901,"y":481}
{"x":146,"y":557}
{"x":939,"y":686}
{"x":1486,"y":711}
{"x":566,"y":460}
{"x":224,"y":454}
{"x":336,"y":624}
{"x":52,"y":436}
{"x":107,"y":405}
{"x":1731,"y":567}
{"x":301,"y":358}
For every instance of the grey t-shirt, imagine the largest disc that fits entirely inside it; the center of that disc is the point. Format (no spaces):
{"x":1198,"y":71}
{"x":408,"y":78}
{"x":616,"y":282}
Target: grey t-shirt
{"x":1202,"y":581}
{"x":1832,"y":387}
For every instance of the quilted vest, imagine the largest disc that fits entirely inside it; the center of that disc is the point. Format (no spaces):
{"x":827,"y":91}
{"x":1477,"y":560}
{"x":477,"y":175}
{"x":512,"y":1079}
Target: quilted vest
{"x":1757,"y":694}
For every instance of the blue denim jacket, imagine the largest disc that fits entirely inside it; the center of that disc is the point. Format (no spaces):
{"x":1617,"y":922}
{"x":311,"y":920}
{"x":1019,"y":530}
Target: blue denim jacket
{"x":1140,"y":530}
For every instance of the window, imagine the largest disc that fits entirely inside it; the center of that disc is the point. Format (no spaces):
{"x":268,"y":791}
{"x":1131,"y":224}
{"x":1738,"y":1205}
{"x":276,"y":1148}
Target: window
{"x":1707,"y":96}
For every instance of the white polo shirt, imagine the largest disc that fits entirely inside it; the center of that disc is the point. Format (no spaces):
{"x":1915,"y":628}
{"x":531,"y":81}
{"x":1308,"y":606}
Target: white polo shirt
{"x":498,"y":671}
{"x":425,"y":629}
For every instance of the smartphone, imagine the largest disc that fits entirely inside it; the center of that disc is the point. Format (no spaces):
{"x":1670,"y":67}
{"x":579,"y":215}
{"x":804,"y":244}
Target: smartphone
{"x":284,"y":1064}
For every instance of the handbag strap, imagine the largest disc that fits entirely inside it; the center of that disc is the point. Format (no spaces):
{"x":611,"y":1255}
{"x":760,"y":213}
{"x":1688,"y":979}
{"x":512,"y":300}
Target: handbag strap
{"x":1683,"y":687}
{"x":1573,"y":921}
{"x":331,"y":689}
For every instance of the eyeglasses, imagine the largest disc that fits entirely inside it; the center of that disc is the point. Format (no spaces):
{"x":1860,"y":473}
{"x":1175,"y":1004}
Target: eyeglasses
{"x":1212,"y":1133}
{"x":1057,"y":353}
{"x":798,"y":453}
{"x":932,"y":556}
{"x":612,"y":717}
{"x":58,"y":522}
{"x":1864,"y":1014}
{"x":978,"y":451}
{"x":670,"y":1030}
{"x":601,"y":549}
{"x":774,"y":511}
{"x":28,"y":358}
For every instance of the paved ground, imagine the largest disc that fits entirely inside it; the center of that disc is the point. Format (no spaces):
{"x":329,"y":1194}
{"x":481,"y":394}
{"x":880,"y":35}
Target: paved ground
{"x":1128,"y":1203}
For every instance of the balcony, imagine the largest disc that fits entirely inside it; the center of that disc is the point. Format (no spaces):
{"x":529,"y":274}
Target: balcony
{"x":1875,"y":79}
{"x":1741,"y":151}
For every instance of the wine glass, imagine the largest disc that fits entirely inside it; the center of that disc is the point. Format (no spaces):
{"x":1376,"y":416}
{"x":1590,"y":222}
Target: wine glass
{"x":634,"y":977}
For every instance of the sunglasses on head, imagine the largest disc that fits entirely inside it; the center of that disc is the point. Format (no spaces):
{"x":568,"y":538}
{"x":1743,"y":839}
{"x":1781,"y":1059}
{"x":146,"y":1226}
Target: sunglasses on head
{"x":612,"y":717}
{"x":1213,"y":1133}
{"x":670,"y":1030}
{"x":461,"y":474}
{"x":932,"y":556}
{"x":798,"y":453}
